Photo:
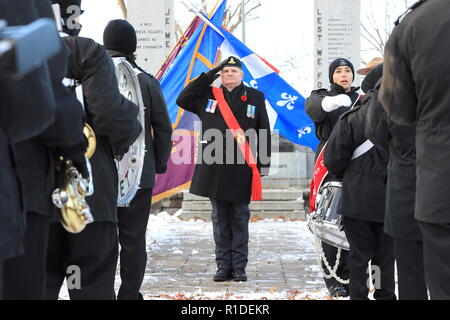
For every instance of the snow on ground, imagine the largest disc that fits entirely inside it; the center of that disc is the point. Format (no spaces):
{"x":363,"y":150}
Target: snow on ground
{"x":164,"y":229}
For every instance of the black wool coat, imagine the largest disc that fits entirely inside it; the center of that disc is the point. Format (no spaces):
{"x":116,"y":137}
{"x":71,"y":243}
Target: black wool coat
{"x":64,"y":137}
{"x":34,"y":122}
{"x":415,"y":91}
{"x":158,"y":128}
{"x":398,"y":142}
{"x":228,"y":180}
{"x":364,"y":186}
{"x":112,"y":117}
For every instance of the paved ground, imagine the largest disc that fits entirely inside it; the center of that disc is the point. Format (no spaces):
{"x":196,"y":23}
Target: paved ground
{"x":282,"y":262}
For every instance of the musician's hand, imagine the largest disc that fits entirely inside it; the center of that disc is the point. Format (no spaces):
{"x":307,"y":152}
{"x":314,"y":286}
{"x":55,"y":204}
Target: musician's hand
{"x":119,"y":152}
{"x":76,"y":154}
{"x":81,"y":165}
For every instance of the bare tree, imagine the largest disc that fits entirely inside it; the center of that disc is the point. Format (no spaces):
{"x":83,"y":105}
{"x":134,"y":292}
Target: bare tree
{"x":233,"y":15}
{"x":377,"y":25}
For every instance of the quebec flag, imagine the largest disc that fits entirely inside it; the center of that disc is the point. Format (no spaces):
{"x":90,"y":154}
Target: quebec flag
{"x":285,"y":105}
{"x":199,"y":53}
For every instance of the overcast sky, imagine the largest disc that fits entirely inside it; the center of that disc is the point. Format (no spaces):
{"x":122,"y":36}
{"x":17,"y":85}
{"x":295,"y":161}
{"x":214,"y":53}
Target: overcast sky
{"x":282,"y":33}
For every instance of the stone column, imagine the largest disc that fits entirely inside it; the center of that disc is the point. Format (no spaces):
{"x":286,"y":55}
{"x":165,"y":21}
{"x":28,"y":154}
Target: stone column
{"x":337,"y":34}
{"x":155,"y":27}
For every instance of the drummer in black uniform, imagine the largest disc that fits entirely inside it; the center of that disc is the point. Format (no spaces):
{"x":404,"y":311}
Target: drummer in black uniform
{"x":325,"y":107}
{"x":350,"y":154}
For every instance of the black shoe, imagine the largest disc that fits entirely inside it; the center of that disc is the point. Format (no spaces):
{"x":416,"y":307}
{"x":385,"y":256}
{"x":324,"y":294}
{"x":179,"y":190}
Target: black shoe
{"x":222,"y":275}
{"x":338,"y":291}
{"x":240,"y":275}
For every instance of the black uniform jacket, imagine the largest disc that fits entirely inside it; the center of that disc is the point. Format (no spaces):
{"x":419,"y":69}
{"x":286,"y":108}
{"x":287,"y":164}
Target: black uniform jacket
{"x":12,"y":226}
{"x":415,"y":91}
{"x":35,"y":103}
{"x":325,"y":121}
{"x":113,"y":118}
{"x":28,"y":100}
{"x":36,"y":157}
{"x":158,"y":129}
{"x":398,"y":142}
{"x":227,"y":181}
{"x":364,"y":185}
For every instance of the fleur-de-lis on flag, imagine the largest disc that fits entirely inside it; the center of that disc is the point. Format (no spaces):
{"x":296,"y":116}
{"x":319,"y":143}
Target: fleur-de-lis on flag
{"x":253,"y":84}
{"x":304,"y":131}
{"x":287,"y":101}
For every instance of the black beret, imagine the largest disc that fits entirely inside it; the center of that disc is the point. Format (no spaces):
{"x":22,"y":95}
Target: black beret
{"x":231,"y":62}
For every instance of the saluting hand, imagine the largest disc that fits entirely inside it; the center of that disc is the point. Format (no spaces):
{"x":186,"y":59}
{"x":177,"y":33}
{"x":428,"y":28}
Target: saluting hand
{"x":213,"y":73}
{"x":332,"y":103}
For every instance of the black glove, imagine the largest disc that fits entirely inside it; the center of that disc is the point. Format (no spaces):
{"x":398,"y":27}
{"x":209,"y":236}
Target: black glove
{"x":76,"y":154}
{"x":212,"y":74}
{"x":79,"y":162}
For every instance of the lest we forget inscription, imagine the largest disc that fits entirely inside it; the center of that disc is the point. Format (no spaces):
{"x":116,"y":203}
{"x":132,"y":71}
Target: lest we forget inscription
{"x":336,"y":34}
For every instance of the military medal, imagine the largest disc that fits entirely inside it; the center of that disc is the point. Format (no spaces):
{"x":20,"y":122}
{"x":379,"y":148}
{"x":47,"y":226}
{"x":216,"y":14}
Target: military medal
{"x":251,"y":111}
{"x":211,"y":106}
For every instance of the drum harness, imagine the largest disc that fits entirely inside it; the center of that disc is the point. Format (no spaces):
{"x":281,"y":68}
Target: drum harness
{"x":332,"y":272}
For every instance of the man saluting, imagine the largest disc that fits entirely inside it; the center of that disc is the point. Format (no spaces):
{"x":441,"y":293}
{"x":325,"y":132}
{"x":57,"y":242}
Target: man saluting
{"x":233,"y":118}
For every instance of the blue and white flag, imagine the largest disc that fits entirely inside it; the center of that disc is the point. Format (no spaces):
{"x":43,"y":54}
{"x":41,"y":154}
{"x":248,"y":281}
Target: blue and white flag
{"x":197,"y":55}
{"x":285,"y":105}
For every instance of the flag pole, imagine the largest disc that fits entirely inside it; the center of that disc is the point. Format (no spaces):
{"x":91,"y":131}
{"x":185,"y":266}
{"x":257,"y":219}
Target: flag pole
{"x":194,"y":56}
{"x":243,"y":21}
{"x":179,"y":44}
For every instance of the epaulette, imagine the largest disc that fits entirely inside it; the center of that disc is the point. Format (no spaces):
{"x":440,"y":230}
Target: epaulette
{"x":404,"y":14}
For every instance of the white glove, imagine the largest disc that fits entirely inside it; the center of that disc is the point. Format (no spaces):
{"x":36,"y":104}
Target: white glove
{"x":332,"y":103}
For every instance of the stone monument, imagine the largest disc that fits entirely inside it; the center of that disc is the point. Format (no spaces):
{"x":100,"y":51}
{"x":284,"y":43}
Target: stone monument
{"x":155,"y":27}
{"x":337,"y":34}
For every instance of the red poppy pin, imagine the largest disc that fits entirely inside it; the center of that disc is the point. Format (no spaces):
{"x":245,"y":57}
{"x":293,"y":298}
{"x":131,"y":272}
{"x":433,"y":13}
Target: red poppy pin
{"x":244,"y":97}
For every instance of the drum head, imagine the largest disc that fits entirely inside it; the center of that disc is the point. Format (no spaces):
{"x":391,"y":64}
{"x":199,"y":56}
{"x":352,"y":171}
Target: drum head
{"x":325,"y":222}
{"x":130,"y":167}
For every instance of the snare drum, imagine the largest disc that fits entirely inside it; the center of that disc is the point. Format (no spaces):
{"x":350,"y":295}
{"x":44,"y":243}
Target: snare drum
{"x":326,"y":222}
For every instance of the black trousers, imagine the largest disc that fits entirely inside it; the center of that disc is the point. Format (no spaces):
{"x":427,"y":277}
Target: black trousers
{"x":343,"y":270}
{"x":369,"y":243}
{"x":230,"y":228}
{"x":25,"y":275}
{"x":133,"y":222}
{"x":93,"y":252}
{"x":410,"y":269}
{"x":436,"y":256}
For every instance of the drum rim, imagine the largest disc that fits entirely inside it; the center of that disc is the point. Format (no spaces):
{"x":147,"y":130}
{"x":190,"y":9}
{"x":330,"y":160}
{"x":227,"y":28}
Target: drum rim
{"x":332,"y":184}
